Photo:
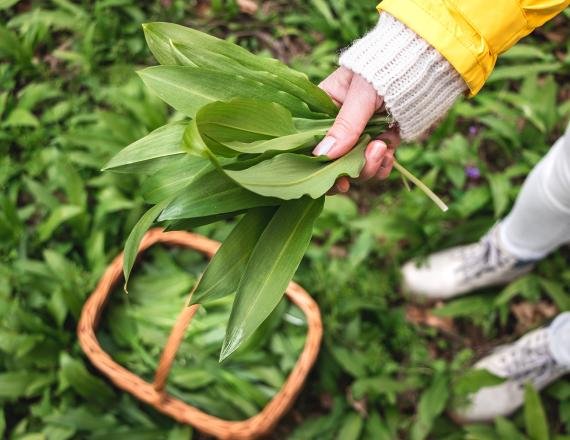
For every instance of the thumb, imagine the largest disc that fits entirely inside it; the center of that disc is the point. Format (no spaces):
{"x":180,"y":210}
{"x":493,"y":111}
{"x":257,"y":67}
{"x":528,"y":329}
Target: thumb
{"x":360,"y":103}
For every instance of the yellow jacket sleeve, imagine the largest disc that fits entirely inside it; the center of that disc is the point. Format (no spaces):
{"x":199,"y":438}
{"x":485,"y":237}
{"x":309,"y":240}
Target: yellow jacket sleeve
{"x":471,"y":34}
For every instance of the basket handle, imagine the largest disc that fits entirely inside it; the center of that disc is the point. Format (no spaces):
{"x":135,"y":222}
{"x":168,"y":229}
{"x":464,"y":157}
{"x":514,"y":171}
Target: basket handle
{"x":174,"y":340}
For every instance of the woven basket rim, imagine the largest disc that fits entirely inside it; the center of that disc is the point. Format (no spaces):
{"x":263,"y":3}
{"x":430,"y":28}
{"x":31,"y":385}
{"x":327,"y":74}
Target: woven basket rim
{"x":154,"y":394}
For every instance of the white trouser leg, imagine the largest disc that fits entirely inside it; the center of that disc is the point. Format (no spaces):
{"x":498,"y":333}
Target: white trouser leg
{"x":560,"y":338}
{"x":540,"y":220}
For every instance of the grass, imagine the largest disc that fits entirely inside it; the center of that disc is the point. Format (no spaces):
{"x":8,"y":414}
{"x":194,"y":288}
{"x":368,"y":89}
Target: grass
{"x":69,"y":99}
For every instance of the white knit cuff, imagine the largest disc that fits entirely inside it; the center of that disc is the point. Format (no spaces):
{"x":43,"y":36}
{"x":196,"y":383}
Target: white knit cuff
{"x":417,"y":83}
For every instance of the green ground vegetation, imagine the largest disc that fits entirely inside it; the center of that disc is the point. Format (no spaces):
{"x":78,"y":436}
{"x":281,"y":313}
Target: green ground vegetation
{"x":70,"y":100}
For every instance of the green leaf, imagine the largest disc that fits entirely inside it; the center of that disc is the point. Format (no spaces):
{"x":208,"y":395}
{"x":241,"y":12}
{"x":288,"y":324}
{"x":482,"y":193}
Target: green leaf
{"x":244,"y":120}
{"x":351,"y":427}
{"x":376,"y":428}
{"x":35,"y":93}
{"x":432,"y":403}
{"x":81,"y":418}
{"x":149,"y":153}
{"x":290,"y":176}
{"x":171,"y":179}
{"x":471,"y":201}
{"x":242,"y":126}
{"x":194,"y":144}
{"x":83,"y":382}
{"x":473,"y":380}
{"x":159,"y":36}
{"x":58,"y":216}
{"x":21,"y":117}
{"x":307,"y":91}
{"x":11,"y":46}
{"x":470,"y":306}
{"x":527,"y":52}
{"x":480,"y":432}
{"x":527,"y":286}
{"x":500,"y":187}
{"x":535,"y":419}
{"x":191,"y":223}
{"x":522,"y":70}
{"x":135,"y":237}
{"x":224,"y":272}
{"x":3,"y":101}
{"x":168,"y":41}
{"x":213,"y":194}
{"x":558,"y":294}
{"x":379,"y":385}
{"x":290,"y":142}
{"x":273,"y":263}
{"x":5,"y":4}
{"x":507,"y":429}
{"x":188,"y":89}
{"x":17,"y":384}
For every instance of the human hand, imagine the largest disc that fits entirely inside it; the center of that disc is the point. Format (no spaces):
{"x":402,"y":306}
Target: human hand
{"x":358,"y":101}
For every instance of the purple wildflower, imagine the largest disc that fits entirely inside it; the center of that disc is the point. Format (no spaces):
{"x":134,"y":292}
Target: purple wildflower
{"x":472,"y":172}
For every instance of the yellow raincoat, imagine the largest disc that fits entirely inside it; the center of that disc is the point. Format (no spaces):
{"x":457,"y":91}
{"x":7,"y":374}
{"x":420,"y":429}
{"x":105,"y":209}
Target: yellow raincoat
{"x":470,"y":34}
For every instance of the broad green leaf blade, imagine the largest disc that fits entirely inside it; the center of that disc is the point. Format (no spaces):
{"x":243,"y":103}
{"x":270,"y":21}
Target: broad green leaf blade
{"x":500,"y":188}
{"x":150,"y":152}
{"x":473,"y":380}
{"x":535,"y":419}
{"x":213,"y":194}
{"x":290,"y":176}
{"x":224,"y":272}
{"x":244,"y":120}
{"x":376,"y":124}
{"x":241,"y":120}
{"x":136,"y":235}
{"x":163,"y":37}
{"x":187,"y":89}
{"x":351,"y":428}
{"x":87,"y":385}
{"x":317,"y":100}
{"x":468,"y":306}
{"x":160,"y":42}
{"x":432,"y":403}
{"x":273,"y":263}
{"x":160,"y":34}
{"x":194,"y":144}
{"x":5,"y":4}
{"x":171,"y":179}
{"x":507,"y":429}
{"x":557,"y":293}
{"x":290,"y":142}
{"x":191,"y":223}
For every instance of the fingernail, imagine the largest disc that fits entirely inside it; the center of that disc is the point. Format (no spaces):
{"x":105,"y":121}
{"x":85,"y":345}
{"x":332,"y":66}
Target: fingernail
{"x":324,"y":146}
{"x":375,"y":153}
{"x":343,"y":186}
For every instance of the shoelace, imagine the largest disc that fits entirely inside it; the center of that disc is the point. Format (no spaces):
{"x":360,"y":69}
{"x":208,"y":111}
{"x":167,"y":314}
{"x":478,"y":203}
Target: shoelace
{"x":482,"y":257}
{"x":540,"y":376}
{"x":530,"y":360}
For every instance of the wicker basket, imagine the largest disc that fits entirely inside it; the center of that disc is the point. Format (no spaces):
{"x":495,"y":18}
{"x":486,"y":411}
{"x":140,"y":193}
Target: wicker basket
{"x":153,"y":393}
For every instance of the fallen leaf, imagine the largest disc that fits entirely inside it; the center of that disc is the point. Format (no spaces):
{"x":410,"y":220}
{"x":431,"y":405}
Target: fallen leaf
{"x":247,"y":6}
{"x":420,"y":316}
{"x":530,"y":315}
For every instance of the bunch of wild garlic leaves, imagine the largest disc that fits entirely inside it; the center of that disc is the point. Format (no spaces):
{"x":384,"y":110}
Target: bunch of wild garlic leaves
{"x":244,"y":149}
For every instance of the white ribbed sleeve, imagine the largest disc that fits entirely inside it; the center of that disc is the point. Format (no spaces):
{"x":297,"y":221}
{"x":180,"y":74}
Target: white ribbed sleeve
{"x":417,"y":83}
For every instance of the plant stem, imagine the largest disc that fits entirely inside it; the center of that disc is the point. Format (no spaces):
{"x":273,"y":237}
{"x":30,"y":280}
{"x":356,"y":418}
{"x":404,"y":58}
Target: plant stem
{"x":421,"y":186}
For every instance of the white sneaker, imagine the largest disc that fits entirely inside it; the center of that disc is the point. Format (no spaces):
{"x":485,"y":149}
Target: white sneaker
{"x":463,"y":269}
{"x":529,"y":360}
